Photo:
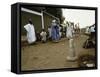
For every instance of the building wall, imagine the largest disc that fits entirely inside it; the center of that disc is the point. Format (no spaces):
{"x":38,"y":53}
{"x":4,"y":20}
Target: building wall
{"x":47,"y":21}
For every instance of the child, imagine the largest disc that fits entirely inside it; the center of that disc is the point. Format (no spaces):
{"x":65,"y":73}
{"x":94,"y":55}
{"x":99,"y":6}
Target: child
{"x":43,"y":36}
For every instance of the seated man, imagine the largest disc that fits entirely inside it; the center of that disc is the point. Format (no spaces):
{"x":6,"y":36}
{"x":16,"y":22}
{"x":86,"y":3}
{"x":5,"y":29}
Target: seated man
{"x":43,"y":36}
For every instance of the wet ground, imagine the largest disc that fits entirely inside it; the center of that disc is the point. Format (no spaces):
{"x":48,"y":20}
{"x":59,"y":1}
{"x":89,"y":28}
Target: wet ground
{"x":52,"y":55}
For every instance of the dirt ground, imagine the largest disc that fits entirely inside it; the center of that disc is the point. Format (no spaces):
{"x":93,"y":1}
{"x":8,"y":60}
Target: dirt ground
{"x":52,"y":55}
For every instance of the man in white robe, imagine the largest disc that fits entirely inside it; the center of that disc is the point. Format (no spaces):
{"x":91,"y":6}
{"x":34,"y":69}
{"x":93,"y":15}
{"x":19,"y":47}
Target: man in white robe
{"x":31,"y":37}
{"x":71,"y":53}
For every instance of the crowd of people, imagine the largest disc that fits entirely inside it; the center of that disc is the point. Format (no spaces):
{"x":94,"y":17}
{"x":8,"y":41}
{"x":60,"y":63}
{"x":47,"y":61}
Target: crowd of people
{"x":55,"y":32}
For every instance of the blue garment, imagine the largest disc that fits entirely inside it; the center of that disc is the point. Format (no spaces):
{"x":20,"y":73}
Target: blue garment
{"x":55,"y":32}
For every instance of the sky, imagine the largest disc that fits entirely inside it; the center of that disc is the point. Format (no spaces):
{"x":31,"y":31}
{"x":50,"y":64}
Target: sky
{"x":83,"y":17}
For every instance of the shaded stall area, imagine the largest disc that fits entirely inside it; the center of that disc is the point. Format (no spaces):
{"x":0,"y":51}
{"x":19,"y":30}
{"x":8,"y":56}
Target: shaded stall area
{"x":40,"y":19}
{"x":25,"y":16}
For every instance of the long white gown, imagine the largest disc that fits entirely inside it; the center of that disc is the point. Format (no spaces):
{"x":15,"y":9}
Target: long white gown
{"x":31,"y":37}
{"x":69,"y":32}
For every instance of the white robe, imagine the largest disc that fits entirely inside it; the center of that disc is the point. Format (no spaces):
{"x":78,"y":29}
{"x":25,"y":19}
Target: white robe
{"x":69,"y":32}
{"x":31,"y":37}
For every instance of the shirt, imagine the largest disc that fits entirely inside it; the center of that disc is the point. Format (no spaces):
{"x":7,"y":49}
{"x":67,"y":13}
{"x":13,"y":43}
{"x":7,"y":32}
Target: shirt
{"x":43,"y":34}
{"x":69,"y":32}
{"x":92,"y":29}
